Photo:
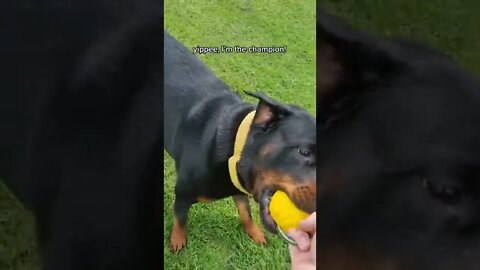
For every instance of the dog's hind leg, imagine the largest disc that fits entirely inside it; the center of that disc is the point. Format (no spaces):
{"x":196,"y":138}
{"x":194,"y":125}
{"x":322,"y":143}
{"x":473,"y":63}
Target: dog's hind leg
{"x":252,"y":229}
{"x":178,"y":237}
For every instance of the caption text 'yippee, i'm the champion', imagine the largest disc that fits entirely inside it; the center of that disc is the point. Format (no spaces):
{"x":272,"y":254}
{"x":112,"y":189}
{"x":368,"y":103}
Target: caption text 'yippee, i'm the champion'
{"x":238,"y":49}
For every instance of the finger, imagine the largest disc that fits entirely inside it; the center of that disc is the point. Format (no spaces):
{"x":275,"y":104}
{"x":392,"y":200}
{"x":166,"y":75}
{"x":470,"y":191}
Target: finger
{"x":298,"y":257}
{"x":309,"y":224}
{"x":302,"y":239}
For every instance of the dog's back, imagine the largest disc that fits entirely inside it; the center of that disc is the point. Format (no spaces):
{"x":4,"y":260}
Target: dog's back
{"x":188,"y":83}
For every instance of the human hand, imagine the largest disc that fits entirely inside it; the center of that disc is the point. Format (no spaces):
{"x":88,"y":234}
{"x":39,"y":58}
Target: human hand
{"x":304,"y":254}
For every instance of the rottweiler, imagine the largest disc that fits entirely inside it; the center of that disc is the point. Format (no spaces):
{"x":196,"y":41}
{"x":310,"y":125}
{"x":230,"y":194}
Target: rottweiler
{"x":81,"y":113}
{"x":398,"y":154}
{"x":201,"y":122}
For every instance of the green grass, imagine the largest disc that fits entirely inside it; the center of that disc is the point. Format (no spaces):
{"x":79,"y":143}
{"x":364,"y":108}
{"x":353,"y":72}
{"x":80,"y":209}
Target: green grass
{"x":17,"y":242}
{"x":447,"y":25}
{"x":216,"y":239}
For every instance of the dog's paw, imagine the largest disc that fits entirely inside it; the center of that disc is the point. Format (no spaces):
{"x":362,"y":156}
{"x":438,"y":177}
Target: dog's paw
{"x":256,"y":234}
{"x":177,"y":246}
{"x":178,"y":240}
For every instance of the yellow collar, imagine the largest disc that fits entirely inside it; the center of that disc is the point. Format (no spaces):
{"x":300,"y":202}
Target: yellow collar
{"x":240,"y":141}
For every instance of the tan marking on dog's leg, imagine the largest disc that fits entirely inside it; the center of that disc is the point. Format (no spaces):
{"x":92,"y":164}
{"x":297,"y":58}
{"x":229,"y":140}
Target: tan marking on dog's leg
{"x":178,"y":238}
{"x":204,"y":199}
{"x":251,"y":228}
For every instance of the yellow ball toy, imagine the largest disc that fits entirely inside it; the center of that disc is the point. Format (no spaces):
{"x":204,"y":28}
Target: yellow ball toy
{"x":285,"y":213}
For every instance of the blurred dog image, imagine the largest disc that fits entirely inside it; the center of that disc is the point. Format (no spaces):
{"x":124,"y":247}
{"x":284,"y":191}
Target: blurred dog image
{"x":399,"y":154}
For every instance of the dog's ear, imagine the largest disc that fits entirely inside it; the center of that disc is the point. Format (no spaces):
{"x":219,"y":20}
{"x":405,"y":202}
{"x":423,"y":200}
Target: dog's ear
{"x":348,"y":61}
{"x":268,"y":111}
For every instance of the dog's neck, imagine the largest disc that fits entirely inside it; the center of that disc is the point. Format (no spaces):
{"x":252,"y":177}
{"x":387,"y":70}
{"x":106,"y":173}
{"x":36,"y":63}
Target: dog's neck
{"x":228,"y":126}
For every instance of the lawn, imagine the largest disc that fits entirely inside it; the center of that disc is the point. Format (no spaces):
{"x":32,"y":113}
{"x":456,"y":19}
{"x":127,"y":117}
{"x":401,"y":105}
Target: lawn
{"x":446,"y":25}
{"x":17,"y":242}
{"x":216,"y":239}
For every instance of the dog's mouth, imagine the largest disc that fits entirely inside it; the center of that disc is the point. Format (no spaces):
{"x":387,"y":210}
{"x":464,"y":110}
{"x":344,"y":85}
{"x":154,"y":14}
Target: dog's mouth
{"x":301,"y":193}
{"x":304,"y":197}
{"x":264,"y":202}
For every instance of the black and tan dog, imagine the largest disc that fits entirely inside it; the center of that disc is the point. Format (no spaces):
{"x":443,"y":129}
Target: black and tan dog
{"x":399,"y":155}
{"x":81,"y":115}
{"x":203,"y":122}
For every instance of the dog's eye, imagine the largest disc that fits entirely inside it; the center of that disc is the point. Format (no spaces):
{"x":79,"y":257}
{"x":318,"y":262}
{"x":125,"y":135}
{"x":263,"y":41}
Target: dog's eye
{"x":270,"y":126}
{"x":304,"y":152}
{"x":448,"y":193}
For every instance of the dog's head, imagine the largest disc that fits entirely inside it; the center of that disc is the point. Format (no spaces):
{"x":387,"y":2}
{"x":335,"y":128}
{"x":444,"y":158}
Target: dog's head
{"x":280,"y":154}
{"x":398,"y":154}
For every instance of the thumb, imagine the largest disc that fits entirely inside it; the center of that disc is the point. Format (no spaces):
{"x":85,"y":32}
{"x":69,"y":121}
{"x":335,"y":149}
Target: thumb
{"x":309,"y":224}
